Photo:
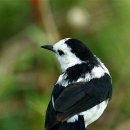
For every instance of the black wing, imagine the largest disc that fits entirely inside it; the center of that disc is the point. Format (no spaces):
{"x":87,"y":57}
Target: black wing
{"x":79,"y":97}
{"x":82,"y":96}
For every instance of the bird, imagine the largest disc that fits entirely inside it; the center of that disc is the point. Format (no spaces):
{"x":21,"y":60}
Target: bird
{"x":82,"y":90}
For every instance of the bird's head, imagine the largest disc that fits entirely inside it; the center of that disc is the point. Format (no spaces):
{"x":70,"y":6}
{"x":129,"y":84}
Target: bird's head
{"x":69,"y":52}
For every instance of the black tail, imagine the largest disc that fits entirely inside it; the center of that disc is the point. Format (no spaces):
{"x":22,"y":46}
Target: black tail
{"x":78,"y":125}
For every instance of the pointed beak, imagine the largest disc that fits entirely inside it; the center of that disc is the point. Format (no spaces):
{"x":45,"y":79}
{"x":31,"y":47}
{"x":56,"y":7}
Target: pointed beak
{"x":48,"y":47}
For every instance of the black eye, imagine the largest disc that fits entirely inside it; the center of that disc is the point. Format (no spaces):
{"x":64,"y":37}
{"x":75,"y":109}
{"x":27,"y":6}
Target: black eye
{"x":60,"y":52}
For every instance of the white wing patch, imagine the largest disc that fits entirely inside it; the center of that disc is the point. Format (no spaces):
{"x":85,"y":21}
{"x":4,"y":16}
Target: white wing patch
{"x":97,"y":72}
{"x":53,"y":102}
{"x":103,"y":66}
{"x":62,"y":80}
{"x":73,"y":118}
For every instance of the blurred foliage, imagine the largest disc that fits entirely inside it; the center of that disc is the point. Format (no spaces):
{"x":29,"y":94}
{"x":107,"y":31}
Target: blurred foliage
{"x":27,"y":73}
{"x":14,"y":15}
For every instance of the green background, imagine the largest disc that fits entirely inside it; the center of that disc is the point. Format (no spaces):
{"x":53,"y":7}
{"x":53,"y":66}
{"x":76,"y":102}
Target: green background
{"x":27,"y":72}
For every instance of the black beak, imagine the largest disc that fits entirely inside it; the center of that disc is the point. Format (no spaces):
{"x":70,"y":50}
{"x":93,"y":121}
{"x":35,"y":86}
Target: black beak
{"x":48,"y":47}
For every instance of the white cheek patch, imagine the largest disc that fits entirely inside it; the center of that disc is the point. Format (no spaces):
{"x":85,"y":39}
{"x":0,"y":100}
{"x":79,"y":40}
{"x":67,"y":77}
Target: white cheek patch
{"x":61,"y":45}
{"x":68,"y":59}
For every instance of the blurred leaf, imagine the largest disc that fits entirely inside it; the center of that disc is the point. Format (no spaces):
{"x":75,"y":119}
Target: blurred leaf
{"x":14,"y":16}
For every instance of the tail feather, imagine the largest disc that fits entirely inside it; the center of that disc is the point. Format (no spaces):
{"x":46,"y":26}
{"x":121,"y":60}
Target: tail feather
{"x":78,"y":125}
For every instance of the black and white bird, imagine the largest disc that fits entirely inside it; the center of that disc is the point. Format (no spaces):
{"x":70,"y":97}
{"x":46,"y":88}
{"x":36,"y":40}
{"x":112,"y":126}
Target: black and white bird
{"x":82,"y":91}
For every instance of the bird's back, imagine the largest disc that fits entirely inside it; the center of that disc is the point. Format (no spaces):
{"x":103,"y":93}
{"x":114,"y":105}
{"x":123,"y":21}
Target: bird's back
{"x":88,"y":74}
